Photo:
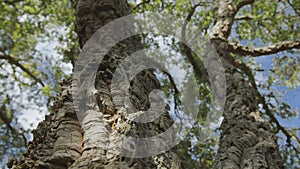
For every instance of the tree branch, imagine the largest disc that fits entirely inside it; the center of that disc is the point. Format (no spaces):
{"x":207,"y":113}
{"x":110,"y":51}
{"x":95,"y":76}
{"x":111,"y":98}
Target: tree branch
{"x":262,"y":100}
{"x":255,"y":52}
{"x":13,"y":61}
{"x":226,"y":13}
{"x":242,"y":4}
{"x":200,"y":74}
{"x":243,"y":17}
{"x":275,"y":120}
{"x":7,"y":122}
{"x":140,"y":4}
{"x":295,"y":9}
{"x":12,"y":2}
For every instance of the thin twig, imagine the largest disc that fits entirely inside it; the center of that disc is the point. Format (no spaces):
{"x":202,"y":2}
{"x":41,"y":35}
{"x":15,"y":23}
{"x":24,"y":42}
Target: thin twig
{"x":140,"y":4}
{"x":296,"y":11}
{"x":262,"y":100}
{"x":7,"y":122}
{"x":15,"y":62}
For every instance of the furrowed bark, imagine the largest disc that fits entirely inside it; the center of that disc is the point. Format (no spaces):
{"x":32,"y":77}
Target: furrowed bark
{"x":57,"y":140}
{"x":92,"y":15}
{"x":246,"y":140}
{"x":61,"y":141}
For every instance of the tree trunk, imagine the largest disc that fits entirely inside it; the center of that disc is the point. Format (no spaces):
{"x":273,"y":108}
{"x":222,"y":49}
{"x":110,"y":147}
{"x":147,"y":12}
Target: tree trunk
{"x":61,"y":141}
{"x":246,"y":140}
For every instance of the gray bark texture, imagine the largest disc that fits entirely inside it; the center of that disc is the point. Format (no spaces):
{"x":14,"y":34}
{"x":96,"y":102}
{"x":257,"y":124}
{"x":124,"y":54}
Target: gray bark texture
{"x":246,"y":140}
{"x":61,"y":142}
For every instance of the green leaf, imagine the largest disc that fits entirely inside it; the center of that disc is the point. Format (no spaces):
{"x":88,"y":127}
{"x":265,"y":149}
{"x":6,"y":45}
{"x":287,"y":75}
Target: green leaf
{"x":29,"y":9}
{"x":46,"y":90}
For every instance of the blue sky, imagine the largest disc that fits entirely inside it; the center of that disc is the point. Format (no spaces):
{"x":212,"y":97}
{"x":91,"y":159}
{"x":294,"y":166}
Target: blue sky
{"x":290,"y":96}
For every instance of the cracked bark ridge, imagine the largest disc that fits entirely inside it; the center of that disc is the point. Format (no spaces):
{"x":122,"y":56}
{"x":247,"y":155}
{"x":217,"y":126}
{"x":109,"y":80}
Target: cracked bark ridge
{"x":57,"y":139}
{"x":61,"y":142}
{"x":246,"y":139}
{"x":92,"y":15}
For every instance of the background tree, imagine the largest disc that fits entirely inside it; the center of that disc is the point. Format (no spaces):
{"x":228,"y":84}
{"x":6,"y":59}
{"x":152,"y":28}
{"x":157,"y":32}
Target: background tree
{"x":230,"y":24}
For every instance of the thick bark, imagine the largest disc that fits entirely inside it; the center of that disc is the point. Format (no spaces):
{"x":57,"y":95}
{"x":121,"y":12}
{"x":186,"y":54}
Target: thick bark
{"x":246,"y":140}
{"x":92,"y":15}
{"x":61,"y":141}
{"x":57,"y":140}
